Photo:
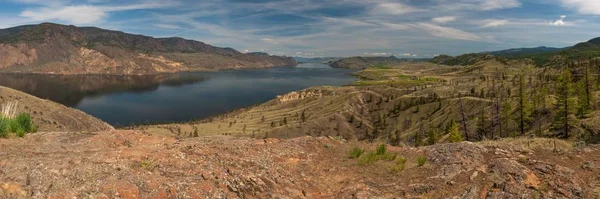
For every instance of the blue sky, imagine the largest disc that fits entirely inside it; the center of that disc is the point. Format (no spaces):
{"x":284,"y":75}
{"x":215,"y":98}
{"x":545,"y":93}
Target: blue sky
{"x":311,"y":28}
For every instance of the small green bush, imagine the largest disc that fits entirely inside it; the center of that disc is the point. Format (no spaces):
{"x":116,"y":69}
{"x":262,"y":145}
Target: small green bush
{"x":4,"y":127}
{"x":25,"y":122}
{"x":20,"y":125}
{"x":13,"y":126}
{"x":388,"y":156}
{"x":356,"y":152}
{"x":20,"y":132}
{"x":399,"y":164}
{"x":381,"y":149}
{"x":421,"y":160}
{"x":369,"y":158}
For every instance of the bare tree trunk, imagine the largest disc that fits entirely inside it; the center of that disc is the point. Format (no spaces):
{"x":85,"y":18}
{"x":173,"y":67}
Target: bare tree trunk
{"x":464,"y":119}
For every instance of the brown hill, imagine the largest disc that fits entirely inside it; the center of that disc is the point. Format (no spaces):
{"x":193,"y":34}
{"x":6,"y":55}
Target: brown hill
{"x":130,"y":164}
{"x":59,"y":49}
{"x":51,"y":116}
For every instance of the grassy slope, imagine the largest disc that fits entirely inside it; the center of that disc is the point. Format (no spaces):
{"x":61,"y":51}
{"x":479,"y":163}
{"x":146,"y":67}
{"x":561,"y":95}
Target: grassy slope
{"x":51,"y":116}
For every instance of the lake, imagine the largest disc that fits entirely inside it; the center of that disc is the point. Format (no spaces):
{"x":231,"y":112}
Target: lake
{"x":127,"y":100}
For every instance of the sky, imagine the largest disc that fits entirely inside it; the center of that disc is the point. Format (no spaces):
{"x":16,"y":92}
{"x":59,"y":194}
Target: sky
{"x":317,"y":28}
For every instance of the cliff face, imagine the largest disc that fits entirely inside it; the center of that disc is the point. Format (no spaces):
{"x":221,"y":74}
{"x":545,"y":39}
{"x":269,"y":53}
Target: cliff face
{"x":58,"y":49}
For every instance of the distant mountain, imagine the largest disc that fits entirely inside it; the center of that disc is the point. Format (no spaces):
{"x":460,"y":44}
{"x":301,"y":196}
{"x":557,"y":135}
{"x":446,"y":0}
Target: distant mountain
{"x":364,"y":62}
{"x":58,"y":49}
{"x":540,"y":56}
{"x":523,"y":51}
{"x":316,"y":59}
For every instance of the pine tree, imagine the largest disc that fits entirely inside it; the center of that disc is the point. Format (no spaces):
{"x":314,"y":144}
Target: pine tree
{"x":584,"y":95}
{"x":455,"y":135}
{"x":525,"y":108}
{"x":482,"y":127}
{"x":432,"y":136}
{"x":505,"y":113}
{"x":564,"y":120}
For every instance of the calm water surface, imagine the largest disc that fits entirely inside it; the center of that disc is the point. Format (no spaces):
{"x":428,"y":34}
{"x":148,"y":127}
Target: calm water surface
{"x":123,"y":100}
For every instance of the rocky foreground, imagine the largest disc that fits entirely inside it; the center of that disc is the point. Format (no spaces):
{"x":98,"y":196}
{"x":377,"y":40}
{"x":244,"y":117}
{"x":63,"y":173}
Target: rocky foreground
{"x":130,"y":164}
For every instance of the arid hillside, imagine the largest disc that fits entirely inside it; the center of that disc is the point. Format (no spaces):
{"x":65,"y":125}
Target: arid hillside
{"x":132,"y":164}
{"x":50,"y":116}
{"x":415,"y":103}
{"x":58,"y":49}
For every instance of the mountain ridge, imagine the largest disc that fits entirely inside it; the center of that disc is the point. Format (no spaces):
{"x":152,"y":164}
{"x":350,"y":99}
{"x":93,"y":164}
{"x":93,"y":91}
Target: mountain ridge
{"x":60,"y":49}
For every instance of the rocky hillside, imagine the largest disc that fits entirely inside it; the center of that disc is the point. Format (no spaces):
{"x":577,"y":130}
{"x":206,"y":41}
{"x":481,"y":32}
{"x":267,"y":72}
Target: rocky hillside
{"x":131,"y":164}
{"x":51,"y":116}
{"x":364,"y":62}
{"x":59,"y":49}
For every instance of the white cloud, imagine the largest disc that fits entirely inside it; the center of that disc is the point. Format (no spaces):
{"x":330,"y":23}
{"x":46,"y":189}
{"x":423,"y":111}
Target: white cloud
{"x":444,"y":19}
{"x":408,"y":55}
{"x":499,"y":4}
{"x":168,"y":26}
{"x":447,"y":32}
{"x":483,"y":5}
{"x":377,"y":54}
{"x":394,"y":26}
{"x":80,"y":14}
{"x":393,"y":9}
{"x":591,"y":7}
{"x":559,"y":22}
{"x":493,"y":23}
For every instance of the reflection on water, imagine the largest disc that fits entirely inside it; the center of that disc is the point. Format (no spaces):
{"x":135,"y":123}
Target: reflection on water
{"x":126,"y":100}
{"x":70,"y":90}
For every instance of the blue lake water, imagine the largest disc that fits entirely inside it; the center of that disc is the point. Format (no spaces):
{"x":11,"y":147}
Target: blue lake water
{"x":127,"y":100}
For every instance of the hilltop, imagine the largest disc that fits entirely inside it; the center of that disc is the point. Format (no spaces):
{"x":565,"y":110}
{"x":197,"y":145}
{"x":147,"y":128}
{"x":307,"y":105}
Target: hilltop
{"x":58,"y":49}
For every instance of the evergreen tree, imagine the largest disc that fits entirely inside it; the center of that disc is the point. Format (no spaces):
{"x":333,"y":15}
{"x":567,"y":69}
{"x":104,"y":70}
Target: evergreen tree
{"x":482,"y":127}
{"x":455,"y":135}
{"x":505,"y":113}
{"x":564,"y":119}
{"x":432,"y":136}
{"x":584,"y":95}
{"x":525,"y":108}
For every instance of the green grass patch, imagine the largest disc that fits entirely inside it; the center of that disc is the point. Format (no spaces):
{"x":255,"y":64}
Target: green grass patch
{"x":4,"y":127}
{"x":19,"y":126}
{"x":380,"y":153}
{"x":381,"y":149}
{"x":421,"y":160}
{"x":399,"y":164}
{"x":355,"y":152}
